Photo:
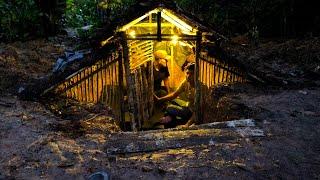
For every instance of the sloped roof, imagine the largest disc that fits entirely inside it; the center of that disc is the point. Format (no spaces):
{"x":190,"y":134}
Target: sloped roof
{"x":141,"y":8}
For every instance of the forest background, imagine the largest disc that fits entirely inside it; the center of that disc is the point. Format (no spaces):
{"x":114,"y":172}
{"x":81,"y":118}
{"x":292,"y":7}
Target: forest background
{"x":28,"y":19}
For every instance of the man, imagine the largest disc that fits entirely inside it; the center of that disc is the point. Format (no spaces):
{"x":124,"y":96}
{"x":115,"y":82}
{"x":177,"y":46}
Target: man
{"x":181,"y":113}
{"x":161,"y":72}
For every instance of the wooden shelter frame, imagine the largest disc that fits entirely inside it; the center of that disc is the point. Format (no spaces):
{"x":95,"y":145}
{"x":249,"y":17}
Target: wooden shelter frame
{"x":110,"y":81}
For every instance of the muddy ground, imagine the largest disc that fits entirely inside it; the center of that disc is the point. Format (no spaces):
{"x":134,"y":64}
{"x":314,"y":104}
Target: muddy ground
{"x":36,"y":143}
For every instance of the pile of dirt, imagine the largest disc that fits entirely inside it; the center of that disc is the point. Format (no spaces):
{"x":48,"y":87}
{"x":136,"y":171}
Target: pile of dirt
{"x":21,"y":62}
{"x":291,"y":63}
{"x":224,"y":102}
{"x":82,"y":117}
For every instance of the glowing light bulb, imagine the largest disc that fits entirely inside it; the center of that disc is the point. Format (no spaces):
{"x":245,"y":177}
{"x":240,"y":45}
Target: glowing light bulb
{"x":132,"y":34}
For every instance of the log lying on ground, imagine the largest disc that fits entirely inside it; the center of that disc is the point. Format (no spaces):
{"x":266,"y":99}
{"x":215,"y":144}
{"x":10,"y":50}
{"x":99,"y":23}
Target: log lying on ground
{"x":207,"y":134}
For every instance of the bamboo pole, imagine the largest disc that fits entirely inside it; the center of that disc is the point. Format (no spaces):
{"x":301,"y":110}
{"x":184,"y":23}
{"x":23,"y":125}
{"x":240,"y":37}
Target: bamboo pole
{"x":197,"y":81}
{"x":102,"y":82}
{"x":121,"y":94}
{"x":79,"y":88}
{"x":97,"y":79}
{"x":214,"y":71}
{"x":91,"y":84}
{"x":83,"y":85}
{"x":130,"y":82}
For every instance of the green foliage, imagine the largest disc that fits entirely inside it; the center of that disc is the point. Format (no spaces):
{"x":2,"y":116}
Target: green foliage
{"x":23,"y":18}
{"x":19,"y":19}
{"x":114,"y":8}
{"x":81,"y":13}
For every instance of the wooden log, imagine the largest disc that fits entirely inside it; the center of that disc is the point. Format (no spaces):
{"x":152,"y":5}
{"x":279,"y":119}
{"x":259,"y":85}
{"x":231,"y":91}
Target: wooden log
{"x":135,"y":143}
{"x":206,"y":134}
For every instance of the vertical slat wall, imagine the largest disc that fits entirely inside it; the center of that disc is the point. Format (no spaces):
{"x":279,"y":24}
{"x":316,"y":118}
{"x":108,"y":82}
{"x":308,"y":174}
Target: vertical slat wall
{"x":98,"y":83}
{"x":141,"y":55}
{"x":213,"y":71}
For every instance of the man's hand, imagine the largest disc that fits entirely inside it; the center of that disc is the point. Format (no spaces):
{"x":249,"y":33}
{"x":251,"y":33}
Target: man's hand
{"x":156,"y":97}
{"x":185,"y":126}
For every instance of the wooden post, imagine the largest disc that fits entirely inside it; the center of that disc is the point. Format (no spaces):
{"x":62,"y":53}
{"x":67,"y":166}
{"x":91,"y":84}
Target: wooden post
{"x":130,"y":82}
{"x":197,"y":80}
{"x":121,"y":96}
{"x":159,"y":26}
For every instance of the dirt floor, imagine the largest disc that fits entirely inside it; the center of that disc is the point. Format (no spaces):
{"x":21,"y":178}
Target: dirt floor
{"x":36,"y":143}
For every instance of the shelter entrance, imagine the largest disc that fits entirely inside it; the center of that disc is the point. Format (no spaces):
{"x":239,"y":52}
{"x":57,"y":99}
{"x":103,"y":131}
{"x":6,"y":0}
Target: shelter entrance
{"x":141,"y":57}
{"x":158,"y":31}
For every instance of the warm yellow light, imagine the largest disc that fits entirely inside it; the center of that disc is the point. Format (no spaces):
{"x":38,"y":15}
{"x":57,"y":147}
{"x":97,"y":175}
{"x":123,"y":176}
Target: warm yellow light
{"x":187,"y":29}
{"x":174,"y":39}
{"x":132,"y":34}
{"x":102,"y":43}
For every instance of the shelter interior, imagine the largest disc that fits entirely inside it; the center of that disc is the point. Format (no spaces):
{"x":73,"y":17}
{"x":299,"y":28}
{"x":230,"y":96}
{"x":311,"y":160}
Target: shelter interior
{"x":124,"y":79}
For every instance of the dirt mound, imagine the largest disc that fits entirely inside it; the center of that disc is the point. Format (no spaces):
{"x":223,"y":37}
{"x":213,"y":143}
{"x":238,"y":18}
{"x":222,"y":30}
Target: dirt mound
{"x":294,"y":63}
{"x":224,"y":103}
{"x":22,"y":61}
